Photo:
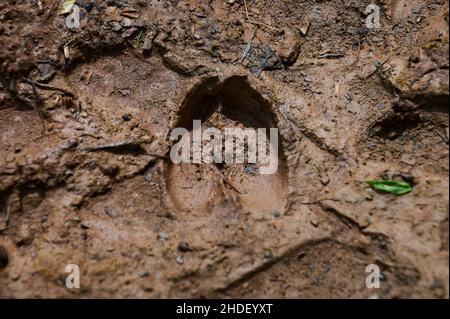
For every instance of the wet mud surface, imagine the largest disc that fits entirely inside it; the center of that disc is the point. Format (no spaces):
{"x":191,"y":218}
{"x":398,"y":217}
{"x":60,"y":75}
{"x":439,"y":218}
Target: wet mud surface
{"x":85,"y":120}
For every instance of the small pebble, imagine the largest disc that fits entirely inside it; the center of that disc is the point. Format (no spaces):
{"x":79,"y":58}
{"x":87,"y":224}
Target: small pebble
{"x":314,"y":221}
{"x":393,"y":135}
{"x":276,"y":214}
{"x":163,"y":236}
{"x":212,"y":30}
{"x":384,"y":244}
{"x":184,"y":247}
{"x":148,"y":178}
{"x":109,"y":212}
{"x":125,"y":22}
{"x":88,"y":6}
{"x":380,"y":106}
{"x":126,"y":117}
{"x":268,"y":255}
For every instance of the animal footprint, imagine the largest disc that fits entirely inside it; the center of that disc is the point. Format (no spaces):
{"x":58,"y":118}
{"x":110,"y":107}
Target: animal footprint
{"x":198,"y":186}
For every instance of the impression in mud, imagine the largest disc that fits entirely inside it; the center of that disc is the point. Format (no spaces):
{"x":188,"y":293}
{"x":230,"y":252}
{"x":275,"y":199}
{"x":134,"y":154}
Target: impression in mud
{"x":214,"y":149}
{"x":226,"y":151}
{"x":232,"y":146}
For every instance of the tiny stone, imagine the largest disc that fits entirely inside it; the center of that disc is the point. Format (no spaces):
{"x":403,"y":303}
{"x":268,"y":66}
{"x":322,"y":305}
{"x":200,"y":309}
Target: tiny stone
{"x":393,"y":135}
{"x":126,"y":117}
{"x":380,"y":106}
{"x":324,"y":179}
{"x":408,"y":160}
{"x":199,"y":43}
{"x":212,"y":30}
{"x":88,"y":7}
{"x":384,"y":244}
{"x":116,"y":26}
{"x":179,"y":260}
{"x":184,"y":247}
{"x":376,"y":39}
{"x":129,"y":32}
{"x":125,"y":22}
{"x":109,"y":212}
{"x":314,"y":222}
{"x":276,"y":214}
{"x":68,"y":144}
{"x":268,"y":255}
{"x":163,"y":236}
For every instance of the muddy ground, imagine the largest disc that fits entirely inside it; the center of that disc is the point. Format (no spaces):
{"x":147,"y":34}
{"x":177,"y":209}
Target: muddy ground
{"x":85,"y":115}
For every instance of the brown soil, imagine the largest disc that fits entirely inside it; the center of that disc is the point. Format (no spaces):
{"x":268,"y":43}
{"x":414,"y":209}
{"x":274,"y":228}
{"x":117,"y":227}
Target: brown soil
{"x":85,"y":117}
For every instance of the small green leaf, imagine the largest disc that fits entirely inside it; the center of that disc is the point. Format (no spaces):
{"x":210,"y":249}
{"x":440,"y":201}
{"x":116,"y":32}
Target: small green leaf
{"x":138,"y":38}
{"x":66,"y":6}
{"x":394,"y":187}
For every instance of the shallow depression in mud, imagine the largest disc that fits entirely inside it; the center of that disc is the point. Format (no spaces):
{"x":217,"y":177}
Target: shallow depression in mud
{"x":232,"y":104}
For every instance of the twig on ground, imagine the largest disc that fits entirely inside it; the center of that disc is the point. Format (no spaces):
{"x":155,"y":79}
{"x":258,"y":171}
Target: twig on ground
{"x":246,"y":9}
{"x":441,"y":135}
{"x":49,"y":87}
{"x":248,"y":48}
{"x":121,"y":144}
{"x":331,"y":56}
{"x":38,"y":101}
{"x":225,"y":180}
{"x":383,"y":77}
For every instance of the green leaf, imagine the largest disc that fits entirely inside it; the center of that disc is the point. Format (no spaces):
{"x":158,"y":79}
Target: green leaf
{"x":138,"y":38}
{"x":394,"y":187}
{"x":66,"y":6}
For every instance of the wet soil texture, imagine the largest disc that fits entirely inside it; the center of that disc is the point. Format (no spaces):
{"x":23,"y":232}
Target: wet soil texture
{"x":88,"y":99}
